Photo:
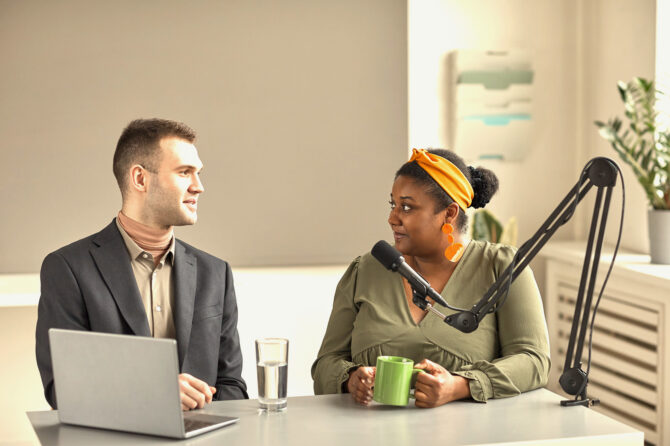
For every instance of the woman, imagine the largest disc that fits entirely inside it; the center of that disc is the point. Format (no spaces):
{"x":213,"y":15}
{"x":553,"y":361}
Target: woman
{"x":373,"y":313}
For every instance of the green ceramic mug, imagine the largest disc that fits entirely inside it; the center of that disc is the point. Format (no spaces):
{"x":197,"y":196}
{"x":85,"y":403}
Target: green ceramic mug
{"x":393,"y":380}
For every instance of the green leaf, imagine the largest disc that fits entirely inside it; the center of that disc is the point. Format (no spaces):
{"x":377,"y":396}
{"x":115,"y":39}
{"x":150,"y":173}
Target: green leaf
{"x":640,"y":151}
{"x":640,"y":144}
{"x":621,"y":86}
{"x":608,"y":133}
{"x":485,"y":226}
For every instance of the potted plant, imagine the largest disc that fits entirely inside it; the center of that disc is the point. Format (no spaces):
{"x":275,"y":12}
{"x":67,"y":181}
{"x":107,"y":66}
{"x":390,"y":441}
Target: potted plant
{"x":486,"y":226}
{"x":646,"y":149}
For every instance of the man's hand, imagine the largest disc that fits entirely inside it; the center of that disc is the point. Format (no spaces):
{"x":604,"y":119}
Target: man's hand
{"x":437,"y":386}
{"x":193,"y":392}
{"x":360,"y":384}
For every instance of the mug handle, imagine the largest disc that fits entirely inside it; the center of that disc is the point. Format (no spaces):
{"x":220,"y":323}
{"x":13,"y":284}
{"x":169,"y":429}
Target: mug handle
{"x":412,"y":382}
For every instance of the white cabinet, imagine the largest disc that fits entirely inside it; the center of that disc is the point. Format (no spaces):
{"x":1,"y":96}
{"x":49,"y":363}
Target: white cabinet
{"x":630,"y":366}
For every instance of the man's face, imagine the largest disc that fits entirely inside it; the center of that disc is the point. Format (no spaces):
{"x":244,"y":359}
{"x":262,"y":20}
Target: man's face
{"x":173,"y":191}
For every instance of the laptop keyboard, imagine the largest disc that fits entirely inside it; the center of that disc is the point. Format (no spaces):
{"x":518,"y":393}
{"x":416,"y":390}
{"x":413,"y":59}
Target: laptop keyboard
{"x":191,"y":424}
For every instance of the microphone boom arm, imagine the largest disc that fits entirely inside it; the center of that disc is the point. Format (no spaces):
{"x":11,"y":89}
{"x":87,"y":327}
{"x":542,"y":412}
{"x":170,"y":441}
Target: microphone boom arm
{"x":601,"y":173}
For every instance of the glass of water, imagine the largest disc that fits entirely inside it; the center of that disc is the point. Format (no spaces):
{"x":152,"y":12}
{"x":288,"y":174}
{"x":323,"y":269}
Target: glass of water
{"x":272,"y":371}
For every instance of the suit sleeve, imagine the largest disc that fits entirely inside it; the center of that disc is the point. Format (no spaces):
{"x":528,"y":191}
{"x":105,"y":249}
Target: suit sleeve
{"x":60,"y":306}
{"x":229,"y":382}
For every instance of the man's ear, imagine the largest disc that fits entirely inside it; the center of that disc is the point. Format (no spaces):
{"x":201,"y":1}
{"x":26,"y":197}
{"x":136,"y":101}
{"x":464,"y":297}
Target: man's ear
{"x":138,"y":178}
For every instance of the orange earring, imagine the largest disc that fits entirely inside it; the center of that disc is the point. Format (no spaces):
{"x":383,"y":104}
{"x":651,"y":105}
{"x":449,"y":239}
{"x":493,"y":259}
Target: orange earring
{"x":455,"y":250}
{"x":448,"y":229}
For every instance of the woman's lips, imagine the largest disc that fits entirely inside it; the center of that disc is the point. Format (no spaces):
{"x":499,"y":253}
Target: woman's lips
{"x":398,"y":236}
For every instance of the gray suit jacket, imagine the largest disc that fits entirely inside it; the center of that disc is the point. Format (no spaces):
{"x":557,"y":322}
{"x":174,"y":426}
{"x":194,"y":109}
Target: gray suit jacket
{"x":89,"y":285}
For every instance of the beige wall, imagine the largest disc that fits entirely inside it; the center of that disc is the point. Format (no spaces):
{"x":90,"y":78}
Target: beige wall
{"x":301,"y":107}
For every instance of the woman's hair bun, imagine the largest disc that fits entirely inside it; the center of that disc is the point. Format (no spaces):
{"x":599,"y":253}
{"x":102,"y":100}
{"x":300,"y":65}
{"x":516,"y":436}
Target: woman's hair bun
{"x":484,"y":184}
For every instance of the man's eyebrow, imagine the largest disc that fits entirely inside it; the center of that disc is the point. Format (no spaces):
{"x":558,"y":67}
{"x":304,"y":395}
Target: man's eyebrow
{"x":187,"y":166}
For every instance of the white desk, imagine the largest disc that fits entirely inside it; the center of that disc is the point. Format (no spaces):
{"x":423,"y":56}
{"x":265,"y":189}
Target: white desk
{"x":532,"y":418}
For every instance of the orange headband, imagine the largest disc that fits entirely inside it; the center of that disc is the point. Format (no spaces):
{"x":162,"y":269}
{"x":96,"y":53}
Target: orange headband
{"x":447,"y":175}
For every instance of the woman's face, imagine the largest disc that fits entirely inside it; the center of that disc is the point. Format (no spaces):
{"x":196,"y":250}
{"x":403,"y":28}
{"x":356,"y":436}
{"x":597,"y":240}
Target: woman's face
{"x":417,"y":229}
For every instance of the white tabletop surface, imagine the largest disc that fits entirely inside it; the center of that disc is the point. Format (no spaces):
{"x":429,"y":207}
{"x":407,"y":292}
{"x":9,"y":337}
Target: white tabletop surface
{"x":532,"y":418}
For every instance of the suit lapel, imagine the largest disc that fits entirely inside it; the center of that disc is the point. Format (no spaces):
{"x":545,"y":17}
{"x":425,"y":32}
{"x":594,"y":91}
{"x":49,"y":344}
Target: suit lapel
{"x":185,"y":269}
{"x":111,"y":257}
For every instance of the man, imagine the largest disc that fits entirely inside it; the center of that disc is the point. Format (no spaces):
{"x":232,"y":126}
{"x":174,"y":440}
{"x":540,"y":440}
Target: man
{"x":134,"y":277}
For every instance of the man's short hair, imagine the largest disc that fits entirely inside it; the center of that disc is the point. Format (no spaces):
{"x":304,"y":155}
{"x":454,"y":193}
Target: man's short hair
{"x":140,"y":144}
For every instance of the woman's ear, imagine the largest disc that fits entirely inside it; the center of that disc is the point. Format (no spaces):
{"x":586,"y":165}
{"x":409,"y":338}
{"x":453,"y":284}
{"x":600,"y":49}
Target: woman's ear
{"x":451,"y":213}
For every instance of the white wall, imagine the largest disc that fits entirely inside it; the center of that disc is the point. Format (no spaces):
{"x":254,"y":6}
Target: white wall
{"x":20,"y":384}
{"x":581,"y":48}
{"x":663,"y":62}
{"x":292,"y":303}
{"x":618,"y":43}
{"x":529,"y":189}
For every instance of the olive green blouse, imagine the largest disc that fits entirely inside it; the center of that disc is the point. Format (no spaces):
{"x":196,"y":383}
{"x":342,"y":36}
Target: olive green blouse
{"x":508,"y":353}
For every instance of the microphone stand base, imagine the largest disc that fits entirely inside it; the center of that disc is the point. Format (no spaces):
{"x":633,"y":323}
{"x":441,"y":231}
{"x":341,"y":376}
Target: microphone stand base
{"x":585,"y":402}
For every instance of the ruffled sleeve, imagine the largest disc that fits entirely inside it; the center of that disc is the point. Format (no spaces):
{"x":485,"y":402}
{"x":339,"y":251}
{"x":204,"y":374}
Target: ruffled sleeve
{"x":333,"y":363}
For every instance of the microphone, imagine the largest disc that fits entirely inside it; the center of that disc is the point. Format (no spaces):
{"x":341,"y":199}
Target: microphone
{"x":391,"y":258}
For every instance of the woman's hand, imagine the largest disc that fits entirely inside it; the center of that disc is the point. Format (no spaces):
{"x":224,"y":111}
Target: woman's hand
{"x":360,"y":384}
{"x":437,"y":386}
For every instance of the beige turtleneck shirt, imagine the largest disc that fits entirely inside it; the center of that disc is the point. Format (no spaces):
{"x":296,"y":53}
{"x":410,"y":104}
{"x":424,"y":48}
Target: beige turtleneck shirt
{"x":152,"y":258}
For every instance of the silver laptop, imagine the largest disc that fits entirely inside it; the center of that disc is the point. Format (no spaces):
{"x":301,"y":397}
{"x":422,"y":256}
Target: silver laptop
{"x":125,"y":383}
